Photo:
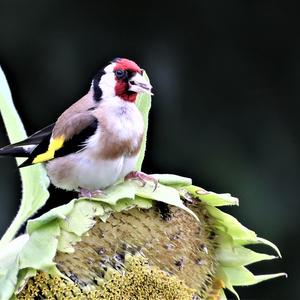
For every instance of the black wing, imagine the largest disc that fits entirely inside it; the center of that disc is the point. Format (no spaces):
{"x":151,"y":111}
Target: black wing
{"x":73,"y":145}
{"x":39,"y":142}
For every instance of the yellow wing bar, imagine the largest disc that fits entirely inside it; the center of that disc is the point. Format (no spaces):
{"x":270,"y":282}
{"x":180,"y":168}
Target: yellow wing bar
{"x":54,"y":145}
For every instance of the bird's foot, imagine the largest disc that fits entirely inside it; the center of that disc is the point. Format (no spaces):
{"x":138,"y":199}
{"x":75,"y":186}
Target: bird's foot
{"x":142,"y":178}
{"x":90,"y":193}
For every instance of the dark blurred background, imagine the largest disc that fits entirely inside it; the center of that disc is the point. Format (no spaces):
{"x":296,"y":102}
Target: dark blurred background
{"x":226,"y":80}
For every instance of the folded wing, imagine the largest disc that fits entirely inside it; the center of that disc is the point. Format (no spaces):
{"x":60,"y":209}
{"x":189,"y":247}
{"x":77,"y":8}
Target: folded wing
{"x":54,"y":141}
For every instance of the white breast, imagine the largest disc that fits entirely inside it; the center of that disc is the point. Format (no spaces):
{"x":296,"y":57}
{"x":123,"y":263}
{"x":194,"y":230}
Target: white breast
{"x":78,"y":170}
{"x":98,"y":174}
{"x":86,"y":169}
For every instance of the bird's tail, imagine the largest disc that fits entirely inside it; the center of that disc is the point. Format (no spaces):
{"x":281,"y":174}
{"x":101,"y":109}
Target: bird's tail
{"x":17,"y":150}
{"x":26,"y":147}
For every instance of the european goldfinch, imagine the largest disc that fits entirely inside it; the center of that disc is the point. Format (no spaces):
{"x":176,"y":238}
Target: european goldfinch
{"x":96,"y":141}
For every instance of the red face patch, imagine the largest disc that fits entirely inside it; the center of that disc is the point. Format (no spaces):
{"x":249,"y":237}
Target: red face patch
{"x":126,"y":64}
{"x":128,"y":67}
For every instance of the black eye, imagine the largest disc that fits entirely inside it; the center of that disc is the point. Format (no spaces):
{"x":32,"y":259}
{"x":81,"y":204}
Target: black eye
{"x":120,"y":73}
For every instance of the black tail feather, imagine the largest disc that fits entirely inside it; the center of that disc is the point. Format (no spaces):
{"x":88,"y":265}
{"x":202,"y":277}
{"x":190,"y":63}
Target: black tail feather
{"x":26,"y":147}
{"x":15,"y":151}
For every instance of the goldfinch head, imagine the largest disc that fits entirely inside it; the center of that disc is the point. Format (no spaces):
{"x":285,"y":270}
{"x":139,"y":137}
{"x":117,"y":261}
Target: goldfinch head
{"x":122,"y":78}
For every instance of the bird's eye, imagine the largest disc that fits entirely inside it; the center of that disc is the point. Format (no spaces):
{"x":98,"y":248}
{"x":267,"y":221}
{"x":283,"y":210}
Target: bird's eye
{"x":120,"y":73}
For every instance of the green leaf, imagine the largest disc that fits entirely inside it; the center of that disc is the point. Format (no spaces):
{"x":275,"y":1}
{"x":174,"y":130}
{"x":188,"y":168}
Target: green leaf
{"x":116,"y":192}
{"x":211,"y":198}
{"x":34,"y":179}
{"x":8,"y":280}
{"x":9,"y":265}
{"x":228,"y":285}
{"x":164,"y":194}
{"x":261,"y":241}
{"x":270,"y":244}
{"x":74,"y":219}
{"x":55,"y":214}
{"x":77,"y":217}
{"x":222,"y":295}
{"x":172,"y":180}
{"x":23,"y":277}
{"x":230,"y":255}
{"x":230,"y":225}
{"x":240,"y":276}
{"x":125,"y":204}
{"x":10,"y":252}
{"x":66,"y":241}
{"x":81,"y":218}
{"x":40,"y":250}
{"x":130,"y":189}
{"x":143,"y":103}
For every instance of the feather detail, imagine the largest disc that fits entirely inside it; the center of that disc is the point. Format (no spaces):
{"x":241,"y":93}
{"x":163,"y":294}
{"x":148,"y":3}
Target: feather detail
{"x":17,"y":151}
{"x":26,"y":147}
{"x":55,"y":144}
{"x":44,"y":152}
{"x":121,"y":130}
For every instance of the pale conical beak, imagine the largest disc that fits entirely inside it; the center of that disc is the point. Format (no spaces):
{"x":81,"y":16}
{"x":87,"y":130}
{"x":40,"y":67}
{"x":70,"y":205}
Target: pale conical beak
{"x":139,"y":84}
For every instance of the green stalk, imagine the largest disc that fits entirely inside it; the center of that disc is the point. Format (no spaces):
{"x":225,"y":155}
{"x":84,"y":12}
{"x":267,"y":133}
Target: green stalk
{"x":34,"y":179}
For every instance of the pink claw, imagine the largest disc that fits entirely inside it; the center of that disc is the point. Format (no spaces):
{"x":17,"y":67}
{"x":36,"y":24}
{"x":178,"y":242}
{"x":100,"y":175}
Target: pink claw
{"x":142,"y":178}
{"x":90,"y":194}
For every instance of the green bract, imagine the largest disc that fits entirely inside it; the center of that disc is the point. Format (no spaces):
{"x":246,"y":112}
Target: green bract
{"x":143,"y":103}
{"x":61,"y":228}
{"x":34,"y":180}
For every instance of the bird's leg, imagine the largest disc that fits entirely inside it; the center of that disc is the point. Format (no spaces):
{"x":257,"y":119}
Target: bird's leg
{"x":85,"y":193}
{"x":90,"y":193}
{"x":142,"y":178}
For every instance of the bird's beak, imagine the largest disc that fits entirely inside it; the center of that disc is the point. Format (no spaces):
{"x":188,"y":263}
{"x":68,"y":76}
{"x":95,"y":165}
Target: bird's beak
{"x":139,"y":84}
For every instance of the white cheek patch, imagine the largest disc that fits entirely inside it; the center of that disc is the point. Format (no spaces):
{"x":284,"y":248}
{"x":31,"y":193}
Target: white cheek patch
{"x":108,"y":82}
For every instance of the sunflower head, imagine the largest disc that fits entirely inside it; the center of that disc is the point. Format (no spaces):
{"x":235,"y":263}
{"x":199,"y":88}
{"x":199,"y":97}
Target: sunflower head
{"x":173,"y":243}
